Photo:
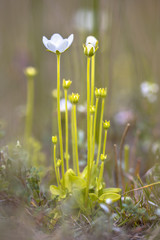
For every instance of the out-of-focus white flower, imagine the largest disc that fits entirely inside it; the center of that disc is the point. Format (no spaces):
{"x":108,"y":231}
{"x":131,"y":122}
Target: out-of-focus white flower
{"x":123,"y":117}
{"x":82,"y":108}
{"x":84,"y":20}
{"x":104,"y":207}
{"x":149,"y":90}
{"x":62,"y":105}
{"x":156,"y":147}
{"x":109,"y":201}
{"x":18,"y":144}
{"x":57,"y":44}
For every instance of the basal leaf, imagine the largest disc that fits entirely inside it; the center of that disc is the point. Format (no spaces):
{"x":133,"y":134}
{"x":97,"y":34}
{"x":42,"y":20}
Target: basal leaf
{"x":112,"y":196}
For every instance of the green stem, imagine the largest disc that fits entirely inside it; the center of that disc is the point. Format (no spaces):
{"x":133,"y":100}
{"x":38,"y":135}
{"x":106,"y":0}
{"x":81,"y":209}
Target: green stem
{"x":75,"y":138}
{"x":91,"y":139}
{"x":55,"y":163}
{"x":94,"y":132}
{"x":29,"y":111}
{"x":92,"y":79}
{"x":66,"y":116}
{"x":73,"y":142}
{"x":100,"y":132}
{"x":104,"y":143}
{"x":59,"y":116}
{"x":88,"y":129}
{"x":101,"y":174}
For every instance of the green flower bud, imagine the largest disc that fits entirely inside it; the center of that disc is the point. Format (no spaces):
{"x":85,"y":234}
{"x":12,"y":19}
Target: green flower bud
{"x":98,"y":92}
{"x":92,"y":109}
{"x":59,"y":162}
{"x":106,"y":124}
{"x":30,"y":72}
{"x":66,"y":84}
{"x":103,"y":157}
{"x":54,"y":139}
{"x":103,"y":92}
{"x":89,"y":50}
{"x":74,"y":98}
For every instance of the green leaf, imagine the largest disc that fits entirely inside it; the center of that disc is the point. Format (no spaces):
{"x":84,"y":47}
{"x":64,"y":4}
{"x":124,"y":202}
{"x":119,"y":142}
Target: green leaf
{"x":79,"y":197}
{"x":93,"y":197}
{"x":56,"y":191}
{"x":114,"y":190}
{"x":112,"y":196}
{"x":77,"y":182}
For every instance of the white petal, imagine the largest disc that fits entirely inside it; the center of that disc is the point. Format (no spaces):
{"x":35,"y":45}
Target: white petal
{"x":56,"y":38}
{"x":62,"y":46}
{"x":51,"y":46}
{"x":92,"y":40}
{"x":45,"y":41}
{"x":70,"y":40}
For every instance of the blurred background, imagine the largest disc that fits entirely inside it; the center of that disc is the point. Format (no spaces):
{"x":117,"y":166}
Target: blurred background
{"x":128,"y":55}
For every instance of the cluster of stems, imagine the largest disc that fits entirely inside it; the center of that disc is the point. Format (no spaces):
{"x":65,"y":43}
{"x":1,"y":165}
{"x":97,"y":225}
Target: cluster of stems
{"x":92,"y":111}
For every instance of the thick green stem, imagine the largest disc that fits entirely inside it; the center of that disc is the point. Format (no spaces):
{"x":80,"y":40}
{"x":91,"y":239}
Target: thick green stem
{"x":92,"y":80}
{"x":73,"y":142}
{"x":59,"y":116}
{"x":55,"y":163}
{"x":66,"y":117}
{"x":88,"y":129}
{"x":104,"y":143}
{"x":29,"y":111}
{"x":94,"y":132}
{"x":100,"y":132}
{"x":75,"y":138}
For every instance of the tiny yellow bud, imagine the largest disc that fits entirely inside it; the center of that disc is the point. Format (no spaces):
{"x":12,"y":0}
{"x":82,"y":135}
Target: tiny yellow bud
{"x":92,"y":109}
{"x":74,"y":98}
{"x":30,"y":72}
{"x":66,"y":84}
{"x":54,"y":139}
{"x":103,"y":157}
{"x":89,"y":50}
{"x":106,"y":124}
{"x":59,"y":162}
{"x":98,"y":92}
{"x":103,"y":92}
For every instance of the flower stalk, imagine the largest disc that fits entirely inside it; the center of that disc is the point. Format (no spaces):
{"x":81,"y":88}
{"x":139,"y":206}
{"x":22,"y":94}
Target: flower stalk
{"x":88,"y":129}
{"x":54,"y":140}
{"x":30,"y":72}
{"x":59,"y":116}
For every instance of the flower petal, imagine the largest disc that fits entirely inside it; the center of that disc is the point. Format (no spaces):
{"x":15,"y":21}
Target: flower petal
{"x":51,"y":46}
{"x":56,"y":38}
{"x":45,"y":41}
{"x":62,"y":46}
{"x":70,"y":40}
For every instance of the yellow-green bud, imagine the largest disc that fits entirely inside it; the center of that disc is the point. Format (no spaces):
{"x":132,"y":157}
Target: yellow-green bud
{"x":59,"y":162}
{"x":66,"y":84}
{"x":30,"y":72}
{"x":103,"y":157}
{"x":74,"y":98}
{"x":103,"y":92}
{"x":89,"y":50}
{"x":54,"y":139}
{"x":106,"y":124}
{"x":98,"y":92}
{"x":92,"y":109}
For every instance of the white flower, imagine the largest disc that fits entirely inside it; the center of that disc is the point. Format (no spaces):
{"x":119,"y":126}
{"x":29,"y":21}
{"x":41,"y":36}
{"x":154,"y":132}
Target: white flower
{"x":92,"y":40}
{"x":149,"y":90}
{"x":57,"y":44}
{"x":62,"y":105}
